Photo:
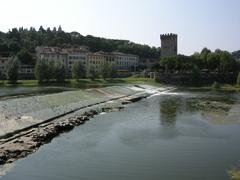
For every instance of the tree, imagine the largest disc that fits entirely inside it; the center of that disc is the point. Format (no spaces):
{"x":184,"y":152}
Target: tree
{"x":169,"y":63}
{"x":16,"y":39}
{"x":238,"y":79}
{"x":41,"y":70}
{"x":1,"y":74}
{"x":106,"y":71}
{"x":113,"y":72}
{"x":92,"y":73}
{"x":227,"y":62}
{"x":12,"y":70}
{"x":204,"y":53}
{"x":60,"y":72}
{"x":25,"y":57}
{"x":196,"y":74}
{"x":78,"y":70}
{"x":213,"y":61}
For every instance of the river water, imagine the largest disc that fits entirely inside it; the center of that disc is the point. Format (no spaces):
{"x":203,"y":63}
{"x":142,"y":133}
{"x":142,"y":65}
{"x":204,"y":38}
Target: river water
{"x":156,"y":138}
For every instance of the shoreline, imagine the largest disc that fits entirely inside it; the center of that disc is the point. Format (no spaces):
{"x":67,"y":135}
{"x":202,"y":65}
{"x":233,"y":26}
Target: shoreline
{"x":21,"y":143}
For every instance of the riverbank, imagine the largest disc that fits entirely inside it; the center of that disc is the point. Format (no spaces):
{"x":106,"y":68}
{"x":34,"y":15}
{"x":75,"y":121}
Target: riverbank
{"x":28,"y":123}
{"x":81,"y":82}
{"x":222,"y":87}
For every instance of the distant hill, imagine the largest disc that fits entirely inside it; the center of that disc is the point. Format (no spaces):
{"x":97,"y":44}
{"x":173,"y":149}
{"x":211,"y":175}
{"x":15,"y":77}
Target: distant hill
{"x":26,"y":40}
{"x":236,"y":54}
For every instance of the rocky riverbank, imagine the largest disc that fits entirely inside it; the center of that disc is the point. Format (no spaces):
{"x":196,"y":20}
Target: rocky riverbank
{"x":22,"y":142}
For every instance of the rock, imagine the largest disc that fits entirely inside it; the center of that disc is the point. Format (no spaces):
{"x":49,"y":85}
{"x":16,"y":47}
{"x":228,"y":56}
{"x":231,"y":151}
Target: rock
{"x":126,"y":102}
{"x":64,"y":126}
{"x":2,"y":161}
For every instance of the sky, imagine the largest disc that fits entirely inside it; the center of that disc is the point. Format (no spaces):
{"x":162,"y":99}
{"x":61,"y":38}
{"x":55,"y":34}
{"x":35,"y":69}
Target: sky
{"x":198,"y":23}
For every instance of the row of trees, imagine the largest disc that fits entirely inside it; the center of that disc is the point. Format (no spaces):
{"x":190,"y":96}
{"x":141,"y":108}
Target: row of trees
{"x":46,"y":71}
{"x":50,"y":70}
{"x":22,"y":42}
{"x":217,"y":61}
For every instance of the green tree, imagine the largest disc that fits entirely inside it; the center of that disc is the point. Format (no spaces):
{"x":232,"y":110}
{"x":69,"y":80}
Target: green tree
{"x":227,"y":62}
{"x":1,"y":74}
{"x":213,"y":61}
{"x":106,"y":71}
{"x":196,"y":74}
{"x":113,"y":72}
{"x":92,"y":73}
{"x":12,"y":70}
{"x":169,"y":63}
{"x":60,"y":72}
{"x":78,"y":70}
{"x":203,"y":55}
{"x":41,"y":70}
{"x":238,"y":79}
{"x":25,"y":57}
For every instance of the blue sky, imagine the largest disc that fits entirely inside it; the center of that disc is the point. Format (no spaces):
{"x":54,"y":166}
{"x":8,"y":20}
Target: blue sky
{"x":199,"y":23}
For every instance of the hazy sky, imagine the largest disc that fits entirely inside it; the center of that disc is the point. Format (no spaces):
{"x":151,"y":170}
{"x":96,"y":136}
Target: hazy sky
{"x":199,"y":23}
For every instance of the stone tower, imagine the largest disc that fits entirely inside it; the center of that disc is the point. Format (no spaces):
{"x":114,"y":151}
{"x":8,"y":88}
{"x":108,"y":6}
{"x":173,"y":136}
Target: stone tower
{"x":168,"y":44}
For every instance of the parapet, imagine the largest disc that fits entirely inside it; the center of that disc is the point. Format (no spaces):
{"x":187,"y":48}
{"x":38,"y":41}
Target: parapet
{"x":167,"y":36}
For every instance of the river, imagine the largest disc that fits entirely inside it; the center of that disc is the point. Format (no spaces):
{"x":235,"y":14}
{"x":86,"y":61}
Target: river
{"x":157,"y":138}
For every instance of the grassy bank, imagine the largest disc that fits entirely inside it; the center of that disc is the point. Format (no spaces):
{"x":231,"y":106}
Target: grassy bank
{"x":81,"y":82}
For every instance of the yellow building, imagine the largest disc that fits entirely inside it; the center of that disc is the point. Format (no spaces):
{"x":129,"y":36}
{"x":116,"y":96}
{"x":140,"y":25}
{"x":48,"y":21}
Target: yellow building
{"x":97,"y":60}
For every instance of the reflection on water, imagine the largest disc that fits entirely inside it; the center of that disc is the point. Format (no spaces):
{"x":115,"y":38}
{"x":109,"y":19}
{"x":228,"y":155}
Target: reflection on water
{"x":157,"y":138}
{"x":169,"y":107}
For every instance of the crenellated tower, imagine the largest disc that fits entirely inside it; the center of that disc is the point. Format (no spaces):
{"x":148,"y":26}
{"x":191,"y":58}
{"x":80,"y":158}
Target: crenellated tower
{"x":169,"y":44}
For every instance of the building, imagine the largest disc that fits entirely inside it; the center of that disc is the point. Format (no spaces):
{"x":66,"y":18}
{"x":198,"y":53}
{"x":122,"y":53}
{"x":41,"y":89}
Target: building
{"x":91,"y":60}
{"x":54,"y":54}
{"x":76,"y":55}
{"x":26,"y":71}
{"x":127,"y":62}
{"x":97,"y":60}
{"x":169,"y":45}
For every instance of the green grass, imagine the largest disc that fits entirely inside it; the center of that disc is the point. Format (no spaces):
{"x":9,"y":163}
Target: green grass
{"x":81,"y":82}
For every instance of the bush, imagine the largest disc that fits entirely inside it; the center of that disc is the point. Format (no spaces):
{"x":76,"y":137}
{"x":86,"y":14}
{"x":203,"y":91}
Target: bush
{"x":216,"y":85}
{"x":12,"y":70}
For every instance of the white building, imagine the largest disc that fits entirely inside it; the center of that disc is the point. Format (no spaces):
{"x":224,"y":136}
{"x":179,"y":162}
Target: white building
{"x":52,"y":54}
{"x":127,"y":62}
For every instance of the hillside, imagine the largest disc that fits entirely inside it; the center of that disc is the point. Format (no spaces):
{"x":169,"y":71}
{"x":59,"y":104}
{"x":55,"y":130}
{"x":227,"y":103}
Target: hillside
{"x":24,"y":41}
{"x":236,"y":54}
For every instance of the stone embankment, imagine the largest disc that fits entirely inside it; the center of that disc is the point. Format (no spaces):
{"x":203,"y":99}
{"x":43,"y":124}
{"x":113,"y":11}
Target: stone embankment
{"x":20,"y":142}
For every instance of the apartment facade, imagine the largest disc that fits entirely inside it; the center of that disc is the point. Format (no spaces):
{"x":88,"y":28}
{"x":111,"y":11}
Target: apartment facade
{"x":125,"y":62}
{"x":54,"y":54}
{"x":91,"y":60}
{"x":96,"y":61}
{"x":76,"y":55}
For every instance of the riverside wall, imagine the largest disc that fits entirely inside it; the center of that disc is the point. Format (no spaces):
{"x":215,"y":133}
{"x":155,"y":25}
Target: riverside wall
{"x":189,"y":78}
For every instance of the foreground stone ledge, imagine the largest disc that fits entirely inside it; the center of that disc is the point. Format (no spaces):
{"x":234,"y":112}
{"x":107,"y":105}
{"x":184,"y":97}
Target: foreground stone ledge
{"x":27,"y":142}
